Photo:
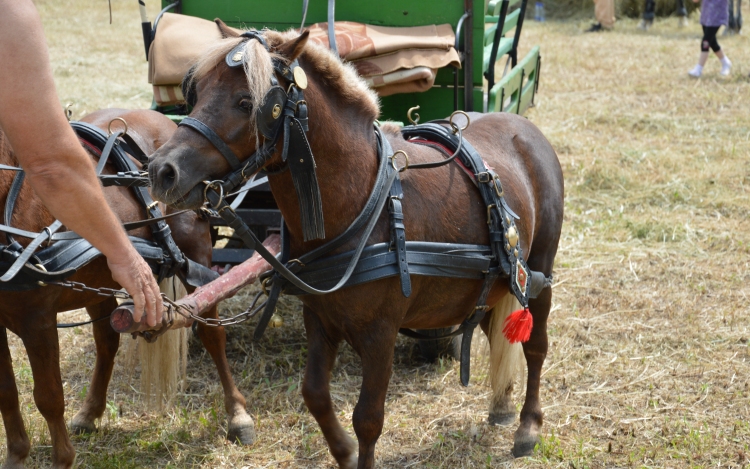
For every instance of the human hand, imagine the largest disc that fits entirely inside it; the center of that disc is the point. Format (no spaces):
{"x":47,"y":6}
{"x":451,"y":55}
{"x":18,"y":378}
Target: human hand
{"x":135,"y":276}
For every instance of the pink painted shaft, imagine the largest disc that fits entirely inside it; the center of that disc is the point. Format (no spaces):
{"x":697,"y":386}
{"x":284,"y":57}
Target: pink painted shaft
{"x":205,"y":297}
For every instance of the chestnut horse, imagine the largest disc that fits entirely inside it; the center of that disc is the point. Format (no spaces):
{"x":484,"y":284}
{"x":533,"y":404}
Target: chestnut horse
{"x":32,"y":314}
{"x":439,"y":205}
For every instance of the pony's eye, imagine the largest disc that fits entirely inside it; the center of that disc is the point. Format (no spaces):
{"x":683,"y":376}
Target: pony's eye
{"x":245,"y":104}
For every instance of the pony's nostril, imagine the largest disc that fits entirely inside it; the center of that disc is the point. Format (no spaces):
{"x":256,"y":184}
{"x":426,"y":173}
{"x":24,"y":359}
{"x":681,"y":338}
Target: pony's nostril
{"x":167,"y":176}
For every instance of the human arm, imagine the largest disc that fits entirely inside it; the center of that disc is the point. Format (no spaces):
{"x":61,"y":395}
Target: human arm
{"x":57,"y":167}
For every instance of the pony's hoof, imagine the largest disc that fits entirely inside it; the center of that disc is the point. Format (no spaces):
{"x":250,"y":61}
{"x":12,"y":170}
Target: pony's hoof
{"x":350,"y":462}
{"x":503,"y":419}
{"x":524,"y":447}
{"x":81,"y":426}
{"x":242,"y":430}
{"x":12,"y":465}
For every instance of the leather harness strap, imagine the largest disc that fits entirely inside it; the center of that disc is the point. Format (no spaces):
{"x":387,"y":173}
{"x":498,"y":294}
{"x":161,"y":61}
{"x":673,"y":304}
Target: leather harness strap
{"x":62,"y":259}
{"x":10,"y":201}
{"x":215,"y":140}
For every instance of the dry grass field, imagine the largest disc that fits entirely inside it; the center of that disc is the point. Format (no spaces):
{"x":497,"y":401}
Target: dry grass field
{"x":649,"y":363}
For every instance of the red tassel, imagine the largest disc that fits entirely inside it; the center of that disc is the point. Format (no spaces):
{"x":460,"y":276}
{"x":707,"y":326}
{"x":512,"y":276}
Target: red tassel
{"x":518,"y":326}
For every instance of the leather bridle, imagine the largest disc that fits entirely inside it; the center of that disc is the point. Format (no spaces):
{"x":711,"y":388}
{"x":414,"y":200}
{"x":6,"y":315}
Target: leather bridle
{"x":281,"y":113}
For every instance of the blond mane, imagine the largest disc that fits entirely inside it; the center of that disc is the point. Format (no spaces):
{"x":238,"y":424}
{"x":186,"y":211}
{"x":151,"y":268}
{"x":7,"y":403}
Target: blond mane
{"x":338,"y":76}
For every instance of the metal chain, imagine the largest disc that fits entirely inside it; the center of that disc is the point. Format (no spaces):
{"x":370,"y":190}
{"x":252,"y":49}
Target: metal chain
{"x":250,"y":312}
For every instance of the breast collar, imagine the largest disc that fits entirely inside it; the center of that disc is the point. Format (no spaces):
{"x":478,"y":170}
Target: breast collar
{"x":281,"y":112}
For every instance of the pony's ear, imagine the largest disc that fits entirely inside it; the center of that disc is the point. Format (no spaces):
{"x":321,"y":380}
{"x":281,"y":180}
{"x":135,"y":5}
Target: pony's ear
{"x":292,"y":49}
{"x":225,"y":30}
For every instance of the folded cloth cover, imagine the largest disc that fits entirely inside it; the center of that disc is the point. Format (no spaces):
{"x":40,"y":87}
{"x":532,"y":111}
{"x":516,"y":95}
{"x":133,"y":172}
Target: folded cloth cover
{"x":392,"y":60}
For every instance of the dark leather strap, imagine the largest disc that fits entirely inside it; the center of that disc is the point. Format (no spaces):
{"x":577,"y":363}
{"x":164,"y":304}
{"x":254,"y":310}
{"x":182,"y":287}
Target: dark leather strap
{"x":28,"y":251}
{"x":248,"y":237}
{"x":276,"y":288}
{"x":125,"y":179}
{"x":398,"y":235}
{"x":133,"y":149}
{"x":471,"y":323}
{"x":106,"y":152}
{"x":10,"y":201}
{"x":215,"y":140}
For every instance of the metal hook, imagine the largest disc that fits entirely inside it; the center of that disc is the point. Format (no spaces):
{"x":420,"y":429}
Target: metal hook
{"x":414,"y":121}
{"x":68,"y":111}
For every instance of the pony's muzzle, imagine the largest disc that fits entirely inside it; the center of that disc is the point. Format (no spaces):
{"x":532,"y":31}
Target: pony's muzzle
{"x":165,"y":176}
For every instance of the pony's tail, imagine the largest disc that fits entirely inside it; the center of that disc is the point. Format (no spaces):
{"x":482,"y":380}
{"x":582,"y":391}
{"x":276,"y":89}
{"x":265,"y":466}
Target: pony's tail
{"x":164,"y":362}
{"x":506,"y":359}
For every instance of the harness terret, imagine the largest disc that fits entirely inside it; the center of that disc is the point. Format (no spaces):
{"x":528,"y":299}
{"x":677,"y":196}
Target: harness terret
{"x":66,"y":252}
{"x":313,"y":273}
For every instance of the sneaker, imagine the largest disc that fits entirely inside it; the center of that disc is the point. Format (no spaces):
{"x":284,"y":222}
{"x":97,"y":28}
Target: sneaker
{"x":696,"y":71}
{"x":595,"y":28}
{"x":726,"y":68}
{"x":682,"y":22}
{"x":645,"y":25}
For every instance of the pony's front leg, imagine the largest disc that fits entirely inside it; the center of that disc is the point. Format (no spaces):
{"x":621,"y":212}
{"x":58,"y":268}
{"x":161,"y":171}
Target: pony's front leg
{"x":241,"y":428}
{"x":321,"y":355}
{"x":535,"y":351}
{"x":39,"y":335}
{"x":15,"y":433}
{"x":107,"y":342}
{"x":375,"y":345}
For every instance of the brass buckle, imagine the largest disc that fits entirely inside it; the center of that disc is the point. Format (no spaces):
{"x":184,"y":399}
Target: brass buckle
{"x":498,"y":186}
{"x":484,"y":177}
{"x":264,"y":285}
{"x":43,"y":269}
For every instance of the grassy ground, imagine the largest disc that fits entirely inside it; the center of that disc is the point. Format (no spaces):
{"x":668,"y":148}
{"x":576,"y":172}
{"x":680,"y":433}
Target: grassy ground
{"x":649,"y":363}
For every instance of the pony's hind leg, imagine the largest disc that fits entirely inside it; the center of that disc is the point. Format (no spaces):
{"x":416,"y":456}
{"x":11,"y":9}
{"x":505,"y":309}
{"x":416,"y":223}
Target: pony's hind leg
{"x":15,"y":433}
{"x":39,"y":336}
{"x":107,"y":342}
{"x":505,"y":360}
{"x":535,"y":351}
{"x":321,"y":355}
{"x":241,"y":427}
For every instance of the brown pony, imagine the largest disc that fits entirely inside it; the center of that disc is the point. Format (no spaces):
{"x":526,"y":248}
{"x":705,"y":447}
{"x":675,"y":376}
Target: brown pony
{"x":32,"y":314}
{"x":440,"y":205}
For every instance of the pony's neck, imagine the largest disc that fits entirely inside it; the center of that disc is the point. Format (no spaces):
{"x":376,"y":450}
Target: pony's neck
{"x":344,"y":146}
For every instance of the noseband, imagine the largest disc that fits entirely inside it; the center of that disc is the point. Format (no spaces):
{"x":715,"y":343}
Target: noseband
{"x":280,"y":112}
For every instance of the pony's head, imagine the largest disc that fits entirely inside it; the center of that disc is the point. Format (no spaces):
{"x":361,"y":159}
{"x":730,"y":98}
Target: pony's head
{"x":241,"y":89}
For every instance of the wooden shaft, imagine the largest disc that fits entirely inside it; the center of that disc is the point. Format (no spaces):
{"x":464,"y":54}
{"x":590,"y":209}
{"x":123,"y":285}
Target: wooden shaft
{"x":203,"y":298}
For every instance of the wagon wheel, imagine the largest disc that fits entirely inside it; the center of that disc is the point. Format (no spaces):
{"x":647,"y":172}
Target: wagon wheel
{"x":431,"y":350}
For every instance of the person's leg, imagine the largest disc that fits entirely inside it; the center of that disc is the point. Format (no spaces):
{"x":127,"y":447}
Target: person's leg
{"x":698,"y":69}
{"x":648,"y":15}
{"x":709,"y":34}
{"x":681,"y":13}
